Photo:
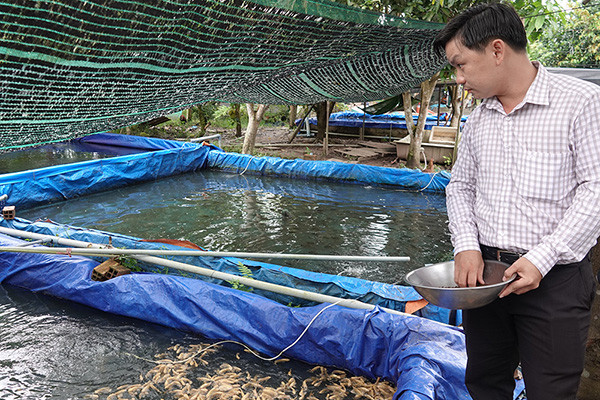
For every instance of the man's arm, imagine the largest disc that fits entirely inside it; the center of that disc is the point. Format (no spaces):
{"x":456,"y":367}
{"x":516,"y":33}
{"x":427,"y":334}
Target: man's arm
{"x":577,"y":231}
{"x":460,"y":200}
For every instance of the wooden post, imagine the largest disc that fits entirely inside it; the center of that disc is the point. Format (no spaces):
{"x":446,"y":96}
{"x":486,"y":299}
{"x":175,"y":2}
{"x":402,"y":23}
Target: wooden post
{"x":361,"y":135}
{"x":457,"y":138}
{"x":326,"y":140}
{"x":304,"y":120}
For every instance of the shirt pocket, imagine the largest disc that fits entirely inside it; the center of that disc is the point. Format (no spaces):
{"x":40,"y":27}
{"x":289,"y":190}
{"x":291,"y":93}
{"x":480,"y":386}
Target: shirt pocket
{"x":543,"y":175}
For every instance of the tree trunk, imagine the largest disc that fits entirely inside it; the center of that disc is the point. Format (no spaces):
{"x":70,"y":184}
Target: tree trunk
{"x":458,"y":106}
{"x":416,"y":138}
{"x":322,"y":117}
{"x":202,"y":122}
{"x":254,"y":119}
{"x":234,"y":113}
{"x":293,"y":115}
{"x":590,"y":379}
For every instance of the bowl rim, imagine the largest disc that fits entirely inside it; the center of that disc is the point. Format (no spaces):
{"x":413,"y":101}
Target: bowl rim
{"x":457,"y":288}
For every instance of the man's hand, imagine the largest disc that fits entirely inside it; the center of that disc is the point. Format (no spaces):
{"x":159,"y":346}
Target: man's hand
{"x":528,"y":277}
{"x":468,"y":268}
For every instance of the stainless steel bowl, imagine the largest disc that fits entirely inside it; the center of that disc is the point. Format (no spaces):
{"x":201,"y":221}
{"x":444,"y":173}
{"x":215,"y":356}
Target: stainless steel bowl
{"x":436,"y":284}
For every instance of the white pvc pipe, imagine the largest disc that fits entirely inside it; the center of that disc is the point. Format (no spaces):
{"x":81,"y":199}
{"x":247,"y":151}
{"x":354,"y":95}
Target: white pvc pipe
{"x":93,"y":247}
{"x":198,"y":253}
{"x":102,"y":250}
{"x":203,"y":138}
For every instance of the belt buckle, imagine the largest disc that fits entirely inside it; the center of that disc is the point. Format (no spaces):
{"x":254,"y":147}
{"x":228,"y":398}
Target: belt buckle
{"x":499,"y":254}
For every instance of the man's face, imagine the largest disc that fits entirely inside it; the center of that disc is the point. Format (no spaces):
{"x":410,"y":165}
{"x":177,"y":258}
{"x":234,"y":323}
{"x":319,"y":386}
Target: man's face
{"x":474,"y":69}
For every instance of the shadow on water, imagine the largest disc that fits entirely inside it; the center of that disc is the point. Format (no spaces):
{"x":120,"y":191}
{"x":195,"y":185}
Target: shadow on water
{"x":231,"y":212}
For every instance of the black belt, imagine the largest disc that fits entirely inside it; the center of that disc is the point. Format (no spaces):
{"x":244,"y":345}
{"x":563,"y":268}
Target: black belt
{"x":494,"y":253}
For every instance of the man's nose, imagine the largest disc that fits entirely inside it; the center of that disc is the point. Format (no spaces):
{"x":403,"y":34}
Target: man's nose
{"x":460,"y":78}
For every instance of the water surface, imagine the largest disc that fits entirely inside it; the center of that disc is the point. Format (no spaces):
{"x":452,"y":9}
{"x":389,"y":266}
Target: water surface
{"x":57,"y":154}
{"x":231,"y":212}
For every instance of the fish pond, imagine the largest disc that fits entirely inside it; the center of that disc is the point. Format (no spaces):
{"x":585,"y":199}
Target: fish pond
{"x":54,"y":349}
{"x":231,"y":212}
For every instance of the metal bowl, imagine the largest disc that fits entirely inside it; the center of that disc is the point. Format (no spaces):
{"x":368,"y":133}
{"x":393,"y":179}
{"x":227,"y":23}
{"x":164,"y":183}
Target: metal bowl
{"x":436,"y":284}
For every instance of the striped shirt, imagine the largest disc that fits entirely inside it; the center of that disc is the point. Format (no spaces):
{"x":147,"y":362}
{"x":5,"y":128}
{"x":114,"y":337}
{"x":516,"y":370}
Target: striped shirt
{"x":529,"y":181}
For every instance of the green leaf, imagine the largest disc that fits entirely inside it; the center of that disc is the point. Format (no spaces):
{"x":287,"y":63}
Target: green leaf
{"x":539,"y":21}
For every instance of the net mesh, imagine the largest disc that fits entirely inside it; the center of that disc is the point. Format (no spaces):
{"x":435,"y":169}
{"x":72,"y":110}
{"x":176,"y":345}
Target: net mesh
{"x":70,"y":68}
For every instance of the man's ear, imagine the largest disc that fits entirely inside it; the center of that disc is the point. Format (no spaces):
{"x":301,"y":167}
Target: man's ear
{"x":498,"y":49}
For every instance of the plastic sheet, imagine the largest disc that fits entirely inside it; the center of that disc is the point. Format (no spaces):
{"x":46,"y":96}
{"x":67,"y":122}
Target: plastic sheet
{"x":331,"y":170}
{"x":393,"y":120}
{"x":382,"y":294}
{"x":426,"y":359}
{"x":40,"y":186}
{"x":136,"y":142}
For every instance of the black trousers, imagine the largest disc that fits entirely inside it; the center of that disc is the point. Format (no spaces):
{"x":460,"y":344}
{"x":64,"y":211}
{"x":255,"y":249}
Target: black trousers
{"x":545,"y":329}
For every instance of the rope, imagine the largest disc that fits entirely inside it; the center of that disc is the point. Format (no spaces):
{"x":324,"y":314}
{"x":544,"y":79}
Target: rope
{"x":241,"y":344}
{"x":249,"y":161}
{"x":431,"y":180}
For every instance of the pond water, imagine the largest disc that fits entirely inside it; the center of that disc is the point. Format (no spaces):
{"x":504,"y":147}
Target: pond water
{"x":58,"y":153}
{"x":230,"y":212}
{"x":54,"y":349}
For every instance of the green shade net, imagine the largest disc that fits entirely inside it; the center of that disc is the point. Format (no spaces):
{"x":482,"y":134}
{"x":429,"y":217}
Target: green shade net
{"x":71,"y":68}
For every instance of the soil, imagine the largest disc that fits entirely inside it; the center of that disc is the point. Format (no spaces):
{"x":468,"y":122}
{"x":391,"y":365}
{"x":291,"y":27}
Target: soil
{"x":268,"y":139}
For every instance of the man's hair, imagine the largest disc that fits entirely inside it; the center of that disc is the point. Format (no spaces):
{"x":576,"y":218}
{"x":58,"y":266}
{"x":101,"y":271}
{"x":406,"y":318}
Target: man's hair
{"x":479,"y":25}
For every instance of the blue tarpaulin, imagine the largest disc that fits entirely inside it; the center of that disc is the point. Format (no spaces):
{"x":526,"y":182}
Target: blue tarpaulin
{"x":329,"y":170}
{"x":45,"y":185}
{"x":62,"y":182}
{"x":426,"y":359}
{"x":393,"y":120}
{"x":378,"y":293}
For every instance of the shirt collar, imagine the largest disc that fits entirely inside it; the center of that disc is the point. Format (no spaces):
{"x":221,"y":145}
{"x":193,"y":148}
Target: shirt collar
{"x":538,"y":92}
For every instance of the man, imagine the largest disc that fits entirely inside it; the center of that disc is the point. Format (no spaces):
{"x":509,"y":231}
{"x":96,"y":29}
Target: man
{"x":525,"y":190}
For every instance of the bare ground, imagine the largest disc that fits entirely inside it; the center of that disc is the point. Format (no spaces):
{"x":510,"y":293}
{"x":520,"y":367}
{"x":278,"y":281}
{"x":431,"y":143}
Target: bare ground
{"x":273,"y":141}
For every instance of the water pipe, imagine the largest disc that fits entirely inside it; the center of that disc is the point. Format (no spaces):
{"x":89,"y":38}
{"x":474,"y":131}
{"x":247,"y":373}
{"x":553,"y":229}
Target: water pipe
{"x":203,"y":138}
{"x":199,"y":253}
{"x":3,"y":197}
{"x":103,"y":251}
{"x":90,"y":248}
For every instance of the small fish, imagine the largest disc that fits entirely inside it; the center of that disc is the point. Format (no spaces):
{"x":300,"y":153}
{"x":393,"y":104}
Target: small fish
{"x":103,"y":390}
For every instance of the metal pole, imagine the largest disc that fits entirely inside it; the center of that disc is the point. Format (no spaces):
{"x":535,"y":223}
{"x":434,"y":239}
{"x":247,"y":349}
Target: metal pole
{"x":85,"y":248}
{"x":109,"y":252}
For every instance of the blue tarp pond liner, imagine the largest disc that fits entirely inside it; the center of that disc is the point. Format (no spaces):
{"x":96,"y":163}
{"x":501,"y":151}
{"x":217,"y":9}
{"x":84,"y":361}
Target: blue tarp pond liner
{"x":45,"y":185}
{"x":385,"y":295}
{"x":424,"y":357}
